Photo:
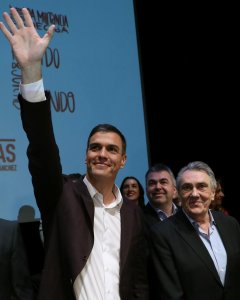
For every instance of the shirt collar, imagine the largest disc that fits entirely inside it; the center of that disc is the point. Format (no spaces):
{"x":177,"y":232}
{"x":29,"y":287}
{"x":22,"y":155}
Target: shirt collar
{"x":99,"y":197}
{"x":158,"y":210}
{"x":195,"y":224}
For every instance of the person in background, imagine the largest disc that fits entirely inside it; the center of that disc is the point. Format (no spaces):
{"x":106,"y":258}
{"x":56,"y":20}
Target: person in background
{"x":217,"y":203}
{"x":95,"y":246}
{"x":177,"y":200}
{"x":15,"y":280}
{"x":161,"y":190}
{"x":132,"y":190}
{"x":196,"y":252}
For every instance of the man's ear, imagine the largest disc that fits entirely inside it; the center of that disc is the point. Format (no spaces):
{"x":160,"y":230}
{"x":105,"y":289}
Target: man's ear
{"x":123,"y":162}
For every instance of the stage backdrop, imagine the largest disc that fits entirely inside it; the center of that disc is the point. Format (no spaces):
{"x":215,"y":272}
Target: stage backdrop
{"x":92,"y":71}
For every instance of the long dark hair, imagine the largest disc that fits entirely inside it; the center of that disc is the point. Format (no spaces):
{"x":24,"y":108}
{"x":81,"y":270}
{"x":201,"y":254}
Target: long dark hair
{"x":141,"y":201}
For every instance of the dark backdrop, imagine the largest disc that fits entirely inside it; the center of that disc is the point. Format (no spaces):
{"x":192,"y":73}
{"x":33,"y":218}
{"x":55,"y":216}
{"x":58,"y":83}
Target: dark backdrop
{"x":190,"y":64}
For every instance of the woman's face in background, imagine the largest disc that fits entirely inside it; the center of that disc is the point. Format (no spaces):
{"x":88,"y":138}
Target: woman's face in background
{"x":130,"y":190}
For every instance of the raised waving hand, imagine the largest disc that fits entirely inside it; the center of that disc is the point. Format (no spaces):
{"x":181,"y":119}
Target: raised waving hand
{"x":28,"y":47}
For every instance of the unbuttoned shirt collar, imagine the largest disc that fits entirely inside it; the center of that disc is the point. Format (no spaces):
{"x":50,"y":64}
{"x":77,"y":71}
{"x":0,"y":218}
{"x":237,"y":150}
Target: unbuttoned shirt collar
{"x":103,"y":264}
{"x":214,"y":245}
{"x":161,"y":214}
{"x":99,"y":197}
{"x":195,"y":224}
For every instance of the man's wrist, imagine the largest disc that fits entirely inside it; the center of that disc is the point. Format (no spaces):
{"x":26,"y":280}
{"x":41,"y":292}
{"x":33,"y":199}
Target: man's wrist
{"x":31,"y":73}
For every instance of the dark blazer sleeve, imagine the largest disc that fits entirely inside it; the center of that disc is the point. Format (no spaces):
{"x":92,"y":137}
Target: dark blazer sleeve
{"x":134,"y":254}
{"x":164,"y":265}
{"x":43,"y":154}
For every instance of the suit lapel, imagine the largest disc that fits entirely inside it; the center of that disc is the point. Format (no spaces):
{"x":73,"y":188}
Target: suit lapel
{"x":188,"y":233}
{"x":223,"y":231}
{"x":126,"y":232}
{"x":87,"y":200}
{"x":126,"y":220}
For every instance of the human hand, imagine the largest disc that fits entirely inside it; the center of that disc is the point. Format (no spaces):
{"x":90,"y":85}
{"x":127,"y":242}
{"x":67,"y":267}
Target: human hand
{"x":28,"y":47}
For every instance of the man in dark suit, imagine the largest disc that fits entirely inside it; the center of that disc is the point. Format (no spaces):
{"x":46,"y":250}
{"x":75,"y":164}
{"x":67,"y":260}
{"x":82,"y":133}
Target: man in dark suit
{"x":160,"y":190}
{"x":94,"y":239}
{"x":15,"y":282}
{"x":196,"y":252}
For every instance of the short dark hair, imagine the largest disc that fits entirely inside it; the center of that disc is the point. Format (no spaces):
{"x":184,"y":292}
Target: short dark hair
{"x":159,"y":168}
{"x":108,"y":128}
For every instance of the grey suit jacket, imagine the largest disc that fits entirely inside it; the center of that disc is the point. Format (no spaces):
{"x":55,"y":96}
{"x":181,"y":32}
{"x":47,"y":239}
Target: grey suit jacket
{"x":183,"y":265}
{"x":67,"y":213}
{"x":15,"y":282}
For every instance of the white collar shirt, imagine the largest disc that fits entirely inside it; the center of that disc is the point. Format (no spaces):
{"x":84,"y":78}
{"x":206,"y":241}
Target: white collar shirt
{"x":99,"y":279}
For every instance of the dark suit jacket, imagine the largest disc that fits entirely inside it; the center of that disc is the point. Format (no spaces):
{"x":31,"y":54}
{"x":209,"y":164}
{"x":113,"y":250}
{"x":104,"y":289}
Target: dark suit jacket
{"x":67,"y":213}
{"x":183,"y":265}
{"x":151,"y":216}
{"x":15,"y":280}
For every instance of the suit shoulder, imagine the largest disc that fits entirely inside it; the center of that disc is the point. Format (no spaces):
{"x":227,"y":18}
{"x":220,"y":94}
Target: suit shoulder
{"x":8,"y":223}
{"x":225,"y":219}
{"x":222,"y":216}
{"x":73,"y":177}
{"x":8,"y":230}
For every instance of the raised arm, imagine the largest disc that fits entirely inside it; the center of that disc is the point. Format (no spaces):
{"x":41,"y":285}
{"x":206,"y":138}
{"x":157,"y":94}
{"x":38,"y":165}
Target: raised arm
{"x":44,"y":160}
{"x":28,"y":47}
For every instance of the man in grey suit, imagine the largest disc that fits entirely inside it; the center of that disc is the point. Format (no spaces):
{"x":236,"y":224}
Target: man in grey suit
{"x":94,"y":239}
{"x":196,"y":252}
{"x":15,"y":281}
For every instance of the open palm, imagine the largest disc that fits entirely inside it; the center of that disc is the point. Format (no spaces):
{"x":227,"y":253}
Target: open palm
{"x":28,"y":47}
